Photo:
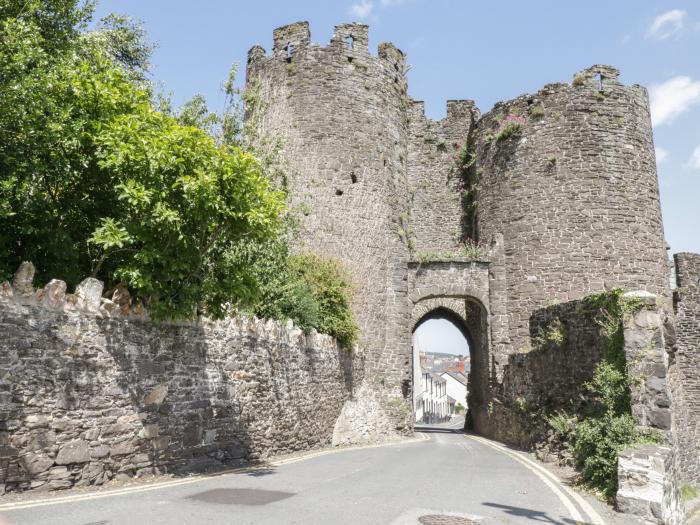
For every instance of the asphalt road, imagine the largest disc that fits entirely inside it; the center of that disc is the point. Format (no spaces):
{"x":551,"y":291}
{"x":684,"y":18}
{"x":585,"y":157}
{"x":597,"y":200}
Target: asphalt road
{"x":447,"y":473}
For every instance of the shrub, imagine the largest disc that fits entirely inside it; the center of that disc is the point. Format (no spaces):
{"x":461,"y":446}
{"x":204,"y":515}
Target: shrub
{"x":579,"y":80}
{"x":330,"y":288}
{"x":553,"y":334}
{"x":310,"y":290}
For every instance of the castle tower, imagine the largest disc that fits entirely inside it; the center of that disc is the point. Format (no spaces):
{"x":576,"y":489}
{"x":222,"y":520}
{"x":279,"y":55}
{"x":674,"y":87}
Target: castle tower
{"x":341,"y":113}
{"x":568,"y":176}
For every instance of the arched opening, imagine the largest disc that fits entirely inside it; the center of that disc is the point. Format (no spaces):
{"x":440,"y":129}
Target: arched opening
{"x":450,"y":361}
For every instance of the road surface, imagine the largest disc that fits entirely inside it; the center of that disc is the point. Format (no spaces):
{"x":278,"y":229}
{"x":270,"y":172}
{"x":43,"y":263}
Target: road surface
{"x":444,"y":473}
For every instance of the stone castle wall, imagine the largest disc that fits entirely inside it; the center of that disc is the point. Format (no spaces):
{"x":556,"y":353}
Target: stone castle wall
{"x":341,"y":115}
{"x":88,"y":394}
{"x":574,"y":193}
{"x":686,"y":379}
{"x":434,"y":187}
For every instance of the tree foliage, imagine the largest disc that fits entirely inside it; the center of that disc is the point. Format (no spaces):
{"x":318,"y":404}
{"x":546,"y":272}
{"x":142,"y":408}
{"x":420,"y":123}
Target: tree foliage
{"x":94,"y":180}
{"x":97,"y":178}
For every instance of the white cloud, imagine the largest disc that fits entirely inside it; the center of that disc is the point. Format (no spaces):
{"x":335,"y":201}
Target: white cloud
{"x":362,"y":9}
{"x":673,"y":98}
{"x":661,"y":154}
{"x":387,"y":3}
{"x":694,"y":160}
{"x":667,"y":24}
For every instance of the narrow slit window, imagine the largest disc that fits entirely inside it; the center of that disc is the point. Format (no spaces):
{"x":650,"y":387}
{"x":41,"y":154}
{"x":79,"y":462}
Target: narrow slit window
{"x":353,"y":178}
{"x":599,"y":78}
{"x":290,"y":50}
{"x":350,"y":42}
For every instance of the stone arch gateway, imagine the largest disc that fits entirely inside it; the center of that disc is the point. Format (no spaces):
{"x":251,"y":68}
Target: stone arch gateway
{"x":545,"y":199}
{"x":470,"y":317}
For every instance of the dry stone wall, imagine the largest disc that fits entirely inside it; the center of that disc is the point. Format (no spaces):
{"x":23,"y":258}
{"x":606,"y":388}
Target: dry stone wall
{"x":90,"y":391}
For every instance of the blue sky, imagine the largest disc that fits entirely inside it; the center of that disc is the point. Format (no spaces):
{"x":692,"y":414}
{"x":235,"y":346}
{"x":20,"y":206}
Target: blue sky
{"x":486,"y":51}
{"x":483,"y":50}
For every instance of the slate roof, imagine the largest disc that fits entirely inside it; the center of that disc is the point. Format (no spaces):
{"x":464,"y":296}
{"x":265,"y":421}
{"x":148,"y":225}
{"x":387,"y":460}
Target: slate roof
{"x":457,"y":376}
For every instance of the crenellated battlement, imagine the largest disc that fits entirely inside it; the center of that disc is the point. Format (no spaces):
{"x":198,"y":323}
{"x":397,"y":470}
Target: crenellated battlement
{"x":351,"y":40}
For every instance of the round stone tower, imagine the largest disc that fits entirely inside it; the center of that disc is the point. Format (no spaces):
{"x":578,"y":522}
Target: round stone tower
{"x":341,"y":115}
{"x":568,"y":176}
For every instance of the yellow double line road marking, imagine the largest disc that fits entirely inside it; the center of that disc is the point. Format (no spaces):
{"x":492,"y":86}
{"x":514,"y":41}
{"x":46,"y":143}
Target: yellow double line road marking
{"x":564,"y":493}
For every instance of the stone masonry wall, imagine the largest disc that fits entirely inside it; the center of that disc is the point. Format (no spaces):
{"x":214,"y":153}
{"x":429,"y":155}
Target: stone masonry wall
{"x":436,"y":202}
{"x":574,"y":192}
{"x":341,"y":115}
{"x":88,"y":394}
{"x":686,"y":376}
{"x":545,"y":375}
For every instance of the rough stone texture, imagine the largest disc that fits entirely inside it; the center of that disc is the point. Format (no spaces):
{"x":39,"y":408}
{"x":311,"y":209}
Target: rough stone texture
{"x":22,"y":280}
{"x":342,"y":116}
{"x":685,"y":369}
{"x":84,"y":399}
{"x":646,"y":487}
{"x":569,"y":205}
{"x":436,"y":202}
{"x":645,"y":349}
{"x":574,"y":193}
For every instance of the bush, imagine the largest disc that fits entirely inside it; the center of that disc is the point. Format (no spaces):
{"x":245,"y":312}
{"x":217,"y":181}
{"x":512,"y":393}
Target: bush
{"x":330,"y":288}
{"x":597,"y":444}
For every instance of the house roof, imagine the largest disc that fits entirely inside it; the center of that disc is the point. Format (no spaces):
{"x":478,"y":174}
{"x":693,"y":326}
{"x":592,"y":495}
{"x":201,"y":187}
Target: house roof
{"x":457,"y":376}
{"x":451,"y":399}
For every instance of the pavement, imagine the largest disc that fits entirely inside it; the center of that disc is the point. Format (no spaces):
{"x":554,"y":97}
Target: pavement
{"x":463,"y":478}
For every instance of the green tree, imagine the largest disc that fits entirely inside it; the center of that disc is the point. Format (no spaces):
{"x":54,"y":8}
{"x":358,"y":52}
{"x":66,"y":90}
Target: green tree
{"x":94,"y":180}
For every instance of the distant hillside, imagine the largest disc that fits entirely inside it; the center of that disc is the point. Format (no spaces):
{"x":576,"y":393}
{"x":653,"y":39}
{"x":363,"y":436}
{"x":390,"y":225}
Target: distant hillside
{"x":444,"y":355}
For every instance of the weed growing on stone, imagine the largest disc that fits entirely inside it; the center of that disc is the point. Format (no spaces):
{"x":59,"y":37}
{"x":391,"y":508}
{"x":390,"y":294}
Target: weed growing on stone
{"x":510,"y":127}
{"x":688,"y":492}
{"x":606,"y":426}
{"x":536,"y":112}
{"x":579,"y":80}
{"x":474,"y":249}
{"x":554,"y":334}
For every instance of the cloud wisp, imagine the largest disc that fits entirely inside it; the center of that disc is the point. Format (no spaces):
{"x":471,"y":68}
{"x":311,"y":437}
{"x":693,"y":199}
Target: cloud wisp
{"x":694,"y":160}
{"x":661,"y":154}
{"x":672,"y":98}
{"x":667,"y":24}
{"x":362,"y":9}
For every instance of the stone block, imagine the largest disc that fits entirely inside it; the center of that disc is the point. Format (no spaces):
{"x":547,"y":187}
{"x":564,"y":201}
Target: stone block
{"x":77,"y":451}
{"x":89,"y":294}
{"x":149,"y":432}
{"x":156,"y":396}
{"x":37,"y":463}
{"x":54,"y":294}
{"x":23,"y":279}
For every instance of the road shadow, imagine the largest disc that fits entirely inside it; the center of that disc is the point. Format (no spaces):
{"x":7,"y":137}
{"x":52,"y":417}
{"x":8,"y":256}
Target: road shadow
{"x":438,"y":430}
{"x":534,"y":515}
